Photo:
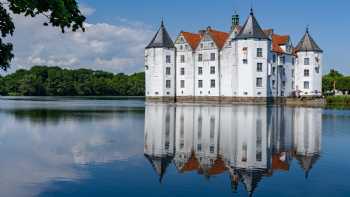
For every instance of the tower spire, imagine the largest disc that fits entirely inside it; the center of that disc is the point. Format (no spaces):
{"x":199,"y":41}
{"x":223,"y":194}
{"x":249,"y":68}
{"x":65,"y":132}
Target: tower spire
{"x":235,"y":20}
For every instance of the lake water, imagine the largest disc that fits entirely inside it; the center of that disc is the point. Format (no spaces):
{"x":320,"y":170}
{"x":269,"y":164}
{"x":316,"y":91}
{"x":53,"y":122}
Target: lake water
{"x":87,"y":147}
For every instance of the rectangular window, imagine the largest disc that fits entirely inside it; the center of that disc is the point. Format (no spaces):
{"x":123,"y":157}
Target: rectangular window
{"x":168,"y":59}
{"x":212,"y":57}
{"x":317,"y":70}
{"x":199,"y":147}
{"x":306,"y":85}
{"x":259,"y":67}
{"x":283,"y":84}
{"x":167,"y":83}
{"x":182,"y":71}
{"x":245,"y":61}
{"x":306,"y":61}
{"x":273,"y":70}
{"x":282,"y":60}
{"x":259,"y":52}
{"x":212,"y":127}
{"x":259,"y":82}
{"x":244,"y":152}
{"x":182,"y":59}
{"x":306,"y":73}
{"x":293,"y":61}
{"x":200,"y":125}
{"x":273,"y":84}
{"x":212,"y":70}
{"x":167,"y":71}
{"x":182,"y":83}
{"x":200,"y":57}
{"x":212,"y":83}
{"x":200,"y":83}
{"x":274,"y":58}
{"x":200,"y":70}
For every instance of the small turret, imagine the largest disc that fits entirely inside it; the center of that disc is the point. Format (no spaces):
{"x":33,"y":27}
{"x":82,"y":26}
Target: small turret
{"x":160,"y":66}
{"x":235,"y":20}
{"x":309,"y":68}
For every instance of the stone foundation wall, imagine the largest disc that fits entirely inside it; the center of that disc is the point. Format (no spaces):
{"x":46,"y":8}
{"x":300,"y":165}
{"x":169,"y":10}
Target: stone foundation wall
{"x":305,"y":101}
{"x":165,"y":99}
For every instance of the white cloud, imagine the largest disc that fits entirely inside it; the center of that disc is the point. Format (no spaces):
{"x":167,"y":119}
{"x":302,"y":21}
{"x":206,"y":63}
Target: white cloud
{"x":115,"y":48}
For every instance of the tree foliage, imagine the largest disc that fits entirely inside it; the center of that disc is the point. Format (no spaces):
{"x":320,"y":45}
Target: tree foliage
{"x":334,"y":80}
{"x":64,"y":14}
{"x":55,"y":81}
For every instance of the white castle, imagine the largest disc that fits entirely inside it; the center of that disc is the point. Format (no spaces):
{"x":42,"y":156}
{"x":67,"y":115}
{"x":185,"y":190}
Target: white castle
{"x":245,"y":64}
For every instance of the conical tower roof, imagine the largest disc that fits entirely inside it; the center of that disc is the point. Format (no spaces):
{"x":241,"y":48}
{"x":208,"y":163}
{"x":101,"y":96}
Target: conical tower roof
{"x":307,"y":162}
{"x":251,"y":29}
{"x":161,"y":39}
{"x":159,"y":164}
{"x":307,"y":44}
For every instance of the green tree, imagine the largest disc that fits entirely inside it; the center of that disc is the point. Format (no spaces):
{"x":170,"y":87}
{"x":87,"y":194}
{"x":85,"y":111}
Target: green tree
{"x":64,"y":14}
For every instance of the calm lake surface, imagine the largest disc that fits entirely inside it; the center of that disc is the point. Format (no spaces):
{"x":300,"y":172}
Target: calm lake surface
{"x":126,"y":147}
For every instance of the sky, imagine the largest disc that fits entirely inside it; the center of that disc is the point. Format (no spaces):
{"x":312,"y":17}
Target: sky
{"x":118,"y":31}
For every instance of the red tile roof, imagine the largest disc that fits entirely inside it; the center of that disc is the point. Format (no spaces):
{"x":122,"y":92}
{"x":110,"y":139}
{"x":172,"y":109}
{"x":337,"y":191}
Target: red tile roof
{"x":276,"y":48}
{"x":219,"y":37}
{"x":277,"y":164}
{"x":280,"y":39}
{"x":192,"y":39}
{"x":277,"y":41}
{"x":191,"y":164}
{"x":218,"y":167}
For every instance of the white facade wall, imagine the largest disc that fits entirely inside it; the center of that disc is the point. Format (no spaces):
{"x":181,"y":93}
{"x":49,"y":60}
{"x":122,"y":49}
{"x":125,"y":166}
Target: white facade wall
{"x":247,"y":73}
{"x":205,"y":48}
{"x":315,"y":74}
{"x":229,"y":67}
{"x":184,"y":50}
{"x":155,"y":72}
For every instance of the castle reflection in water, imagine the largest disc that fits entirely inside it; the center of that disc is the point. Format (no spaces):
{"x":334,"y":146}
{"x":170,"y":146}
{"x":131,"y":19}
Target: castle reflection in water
{"x":248,"y":142}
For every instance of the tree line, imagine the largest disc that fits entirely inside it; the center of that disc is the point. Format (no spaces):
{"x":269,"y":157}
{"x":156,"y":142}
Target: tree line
{"x":56,"y":81}
{"x":334,"y":80}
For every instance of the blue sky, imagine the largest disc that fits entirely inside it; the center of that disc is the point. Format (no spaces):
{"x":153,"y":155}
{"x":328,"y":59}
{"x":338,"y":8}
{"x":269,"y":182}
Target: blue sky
{"x":329,"y":20}
{"x":118,"y":31}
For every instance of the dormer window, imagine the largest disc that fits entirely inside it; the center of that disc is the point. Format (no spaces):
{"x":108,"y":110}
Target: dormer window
{"x":212,"y":44}
{"x":306,"y":61}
